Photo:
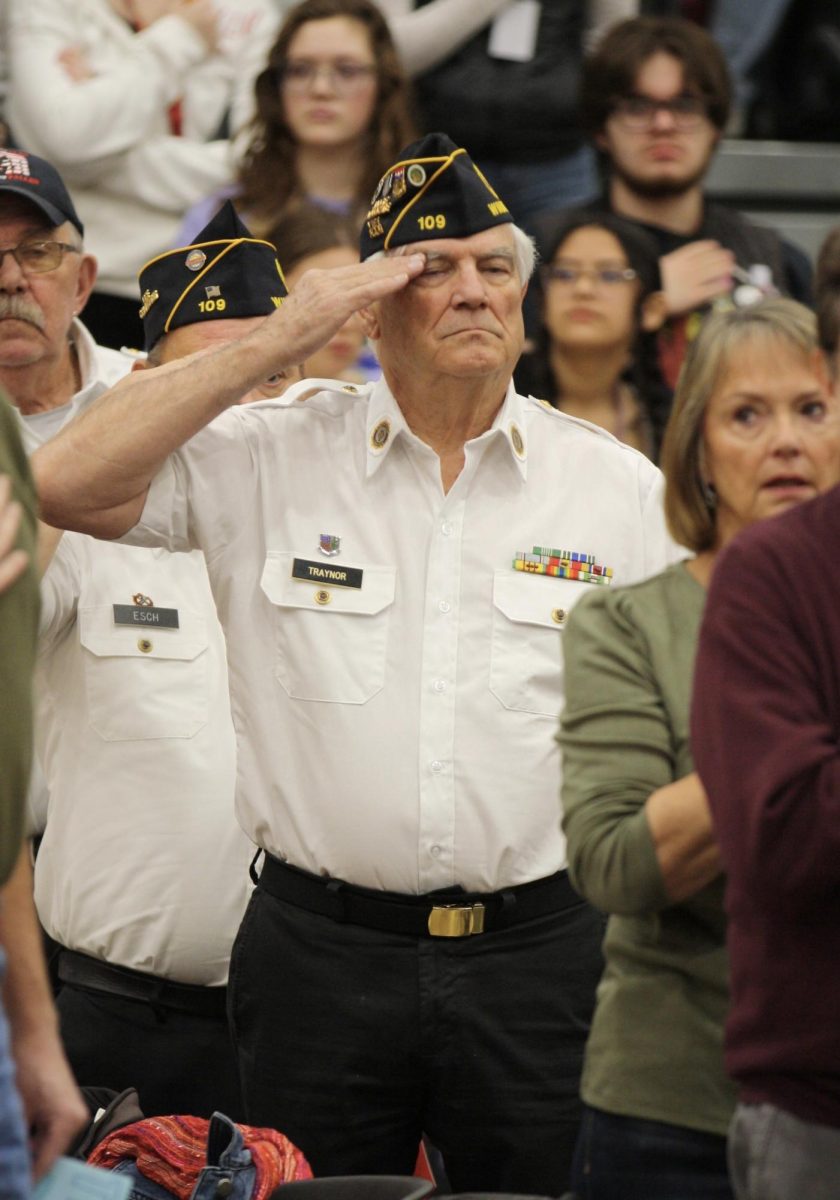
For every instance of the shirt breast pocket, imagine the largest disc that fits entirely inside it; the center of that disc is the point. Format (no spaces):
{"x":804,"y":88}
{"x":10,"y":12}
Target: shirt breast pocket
{"x":331,"y":642}
{"x":526,"y":651}
{"x":144,"y":682}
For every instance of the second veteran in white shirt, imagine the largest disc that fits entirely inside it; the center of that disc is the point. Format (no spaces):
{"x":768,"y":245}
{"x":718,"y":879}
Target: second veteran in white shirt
{"x":392,"y":568}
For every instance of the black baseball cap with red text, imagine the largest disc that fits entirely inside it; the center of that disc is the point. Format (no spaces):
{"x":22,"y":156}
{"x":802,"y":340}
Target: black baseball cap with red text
{"x":38,"y":181}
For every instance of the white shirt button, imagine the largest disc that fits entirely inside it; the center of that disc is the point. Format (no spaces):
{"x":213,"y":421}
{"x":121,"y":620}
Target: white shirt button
{"x":435,"y":851}
{"x":436,"y":765}
{"x":446,"y":528}
{"x":444,"y":606}
{"x":439,"y":685}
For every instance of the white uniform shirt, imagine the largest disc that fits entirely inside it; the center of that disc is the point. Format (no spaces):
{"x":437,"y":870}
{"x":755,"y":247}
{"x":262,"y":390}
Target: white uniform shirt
{"x":400,"y":734}
{"x":142,"y":862}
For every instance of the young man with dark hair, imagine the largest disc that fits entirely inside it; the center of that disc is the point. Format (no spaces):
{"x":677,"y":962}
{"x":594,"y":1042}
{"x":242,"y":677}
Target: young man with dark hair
{"x":655,"y":99}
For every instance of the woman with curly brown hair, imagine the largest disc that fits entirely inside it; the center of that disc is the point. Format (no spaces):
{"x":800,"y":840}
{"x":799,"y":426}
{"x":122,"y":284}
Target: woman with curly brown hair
{"x":332,"y":113}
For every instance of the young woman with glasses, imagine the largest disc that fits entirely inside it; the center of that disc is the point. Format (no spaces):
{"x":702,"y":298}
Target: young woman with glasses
{"x":600,"y":306}
{"x":332,"y":113}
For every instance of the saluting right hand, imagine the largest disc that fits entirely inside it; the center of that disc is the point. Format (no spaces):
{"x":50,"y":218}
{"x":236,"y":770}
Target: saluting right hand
{"x":323,"y":300}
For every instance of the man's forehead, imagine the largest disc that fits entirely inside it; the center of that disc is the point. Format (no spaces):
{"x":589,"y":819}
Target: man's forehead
{"x":479,"y":245}
{"x":207,"y":335}
{"x":660,"y":69}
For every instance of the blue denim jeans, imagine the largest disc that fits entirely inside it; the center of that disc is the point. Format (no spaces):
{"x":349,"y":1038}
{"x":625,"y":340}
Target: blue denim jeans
{"x":773,"y":1155}
{"x":627,"y":1158}
{"x":15,"y":1176}
{"x":228,"y":1161}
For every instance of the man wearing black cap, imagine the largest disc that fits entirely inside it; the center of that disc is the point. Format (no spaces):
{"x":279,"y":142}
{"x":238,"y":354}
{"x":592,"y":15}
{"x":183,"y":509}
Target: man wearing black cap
{"x":393,"y":566}
{"x":141,"y":876}
{"x":206,"y":294}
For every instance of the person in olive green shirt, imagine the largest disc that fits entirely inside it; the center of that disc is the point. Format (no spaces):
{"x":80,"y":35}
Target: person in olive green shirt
{"x":18,"y":633}
{"x":753,"y":431}
{"x":41,"y":1108}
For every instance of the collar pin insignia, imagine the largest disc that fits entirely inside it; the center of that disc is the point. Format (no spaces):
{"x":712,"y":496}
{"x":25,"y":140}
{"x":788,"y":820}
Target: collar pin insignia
{"x":380,"y":435}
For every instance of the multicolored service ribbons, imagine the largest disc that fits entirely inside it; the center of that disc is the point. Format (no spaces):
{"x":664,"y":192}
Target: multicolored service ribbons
{"x":562,"y":564}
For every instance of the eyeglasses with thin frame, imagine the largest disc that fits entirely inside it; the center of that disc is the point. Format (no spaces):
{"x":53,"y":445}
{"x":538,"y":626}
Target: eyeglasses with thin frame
{"x":568,"y":274}
{"x":639,"y":112}
{"x":344,"y":78}
{"x":36,"y":258}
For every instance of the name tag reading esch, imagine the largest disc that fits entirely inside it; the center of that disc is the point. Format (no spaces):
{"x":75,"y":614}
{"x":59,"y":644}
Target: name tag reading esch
{"x":139,"y":614}
{"x":315,"y":572}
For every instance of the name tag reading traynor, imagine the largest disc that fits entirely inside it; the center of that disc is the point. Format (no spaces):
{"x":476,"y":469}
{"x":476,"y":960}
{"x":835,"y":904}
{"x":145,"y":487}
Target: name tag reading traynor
{"x":146,"y":615}
{"x":316,"y":572}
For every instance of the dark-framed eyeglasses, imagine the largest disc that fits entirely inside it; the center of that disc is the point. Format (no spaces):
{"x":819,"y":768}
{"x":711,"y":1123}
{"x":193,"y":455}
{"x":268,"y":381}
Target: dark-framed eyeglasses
{"x":639,"y":112}
{"x":344,"y":78}
{"x":568,"y":274}
{"x":36,"y":258}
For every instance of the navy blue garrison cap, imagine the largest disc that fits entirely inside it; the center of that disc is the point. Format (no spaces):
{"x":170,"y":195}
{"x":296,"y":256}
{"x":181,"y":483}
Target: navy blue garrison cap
{"x":435,"y":190}
{"x":224,"y":273}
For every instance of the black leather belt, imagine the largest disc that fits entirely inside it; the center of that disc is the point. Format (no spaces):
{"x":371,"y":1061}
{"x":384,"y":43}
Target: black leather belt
{"x":80,"y":970}
{"x":450,"y":913}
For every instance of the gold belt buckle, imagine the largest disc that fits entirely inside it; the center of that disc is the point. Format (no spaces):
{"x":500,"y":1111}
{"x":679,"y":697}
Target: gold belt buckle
{"x":456,"y":920}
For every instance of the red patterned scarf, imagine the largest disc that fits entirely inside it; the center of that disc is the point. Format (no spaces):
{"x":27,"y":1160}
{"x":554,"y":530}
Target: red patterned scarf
{"x":172,"y":1151}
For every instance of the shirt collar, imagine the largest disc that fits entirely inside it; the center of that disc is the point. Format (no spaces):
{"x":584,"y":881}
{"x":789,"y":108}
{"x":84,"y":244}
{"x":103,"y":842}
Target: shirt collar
{"x":385,"y":423}
{"x":510,"y":424}
{"x":91,"y":384}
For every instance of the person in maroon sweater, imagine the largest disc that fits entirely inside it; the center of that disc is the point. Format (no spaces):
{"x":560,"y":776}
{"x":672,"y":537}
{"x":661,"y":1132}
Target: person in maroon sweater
{"x":766,"y":742}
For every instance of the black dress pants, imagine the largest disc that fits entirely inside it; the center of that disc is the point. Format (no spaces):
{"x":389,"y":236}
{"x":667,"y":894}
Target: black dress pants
{"x":354,"y":1042}
{"x":179,"y":1063}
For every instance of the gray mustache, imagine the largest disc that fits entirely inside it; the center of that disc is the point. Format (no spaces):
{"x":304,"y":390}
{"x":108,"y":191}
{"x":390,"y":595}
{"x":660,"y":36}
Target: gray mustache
{"x":20,"y":309}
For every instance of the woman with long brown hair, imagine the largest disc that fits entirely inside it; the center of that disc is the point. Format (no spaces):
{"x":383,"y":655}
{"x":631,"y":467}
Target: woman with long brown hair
{"x":332,"y":113}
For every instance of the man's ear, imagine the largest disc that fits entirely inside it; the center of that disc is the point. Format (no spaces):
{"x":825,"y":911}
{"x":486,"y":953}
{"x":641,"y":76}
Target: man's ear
{"x":85,"y":280}
{"x":140,"y":364}
{"x":654,"y":311}
{"x":370,"y":322}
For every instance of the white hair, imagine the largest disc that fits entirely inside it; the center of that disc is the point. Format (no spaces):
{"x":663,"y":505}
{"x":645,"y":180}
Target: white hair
{"x":524,"y":250}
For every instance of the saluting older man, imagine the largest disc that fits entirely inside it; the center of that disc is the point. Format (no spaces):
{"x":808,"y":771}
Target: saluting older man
{"x":393,"y":566}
